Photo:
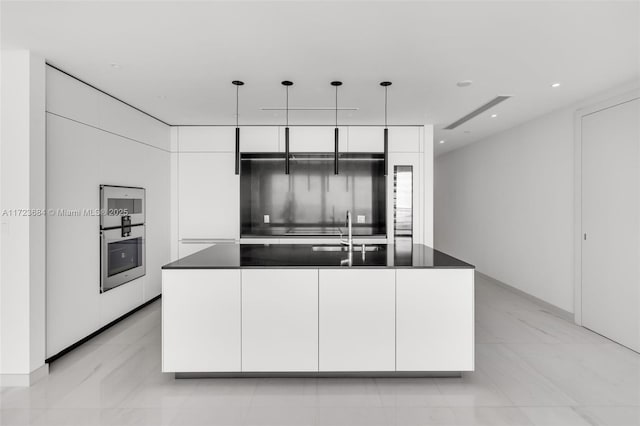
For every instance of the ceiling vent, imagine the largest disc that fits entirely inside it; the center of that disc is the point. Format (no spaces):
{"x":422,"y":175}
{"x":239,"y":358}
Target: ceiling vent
{"x":495,"y":101}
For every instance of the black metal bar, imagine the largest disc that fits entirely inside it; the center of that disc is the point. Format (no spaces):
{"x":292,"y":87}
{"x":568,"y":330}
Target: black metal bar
{"x":237,"y":150}
{"x":286,"y":150}
{"x":336,"y":150}
{"x":386,"y":150}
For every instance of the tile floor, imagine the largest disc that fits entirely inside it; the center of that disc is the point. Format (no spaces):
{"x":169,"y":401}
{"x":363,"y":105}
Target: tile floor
{"x":533,"y":368}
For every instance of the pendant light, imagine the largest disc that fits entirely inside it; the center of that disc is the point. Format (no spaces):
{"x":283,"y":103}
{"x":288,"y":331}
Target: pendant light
{"x":336,"y":84}
{"x":286,"y":84}
{"x":237,"y":83}
{"x":386,"y":85}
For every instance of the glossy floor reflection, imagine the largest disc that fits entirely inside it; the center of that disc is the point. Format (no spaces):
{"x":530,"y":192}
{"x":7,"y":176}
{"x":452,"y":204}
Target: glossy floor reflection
{"x":533,"y":368}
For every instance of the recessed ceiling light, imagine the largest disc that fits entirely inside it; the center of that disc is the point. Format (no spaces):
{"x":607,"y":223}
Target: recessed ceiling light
{"x":114,"y":65}
{"x":464,"y":83}
{"x":494,"y":115}
{"x":441,"y":141}
{"x":554,"y":85}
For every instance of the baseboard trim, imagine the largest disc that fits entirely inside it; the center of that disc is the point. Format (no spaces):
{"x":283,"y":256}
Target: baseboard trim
{"x":100,"y":330}
{"x":318,"y":374}
{"x":559,"y":312}
{"x":24,"y":380}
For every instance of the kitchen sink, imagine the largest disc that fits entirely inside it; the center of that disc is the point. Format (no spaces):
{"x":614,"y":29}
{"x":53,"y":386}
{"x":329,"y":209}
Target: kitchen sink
{"x":345,"y":248}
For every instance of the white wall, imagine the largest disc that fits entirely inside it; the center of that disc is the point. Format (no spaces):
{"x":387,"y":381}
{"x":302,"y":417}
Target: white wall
{"x":505,"y":204}
{"x":22,"y":186}
{"x":93,"y":139}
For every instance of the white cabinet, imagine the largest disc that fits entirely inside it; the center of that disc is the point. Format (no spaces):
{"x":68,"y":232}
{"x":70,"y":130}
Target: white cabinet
{"x":357,"y":320}
{"x":208,"y":196}
{"x":314,"y":139}
{"x":280,"y":320}
{"x":201,"y":320}
{"x":206,"y":139}
{"x":188,"y":248}
{"x":435,"y":321}
{"x":366,"y":139}
{"x":404,"y":139}
{"x":259,"y":139}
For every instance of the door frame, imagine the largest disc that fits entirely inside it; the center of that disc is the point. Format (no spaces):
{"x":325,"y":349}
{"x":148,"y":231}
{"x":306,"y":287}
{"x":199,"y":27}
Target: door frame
{"x":577,"y":193}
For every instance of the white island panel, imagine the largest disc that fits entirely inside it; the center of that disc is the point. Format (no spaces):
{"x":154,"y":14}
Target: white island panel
{"x":201,"y":320}
{"x":279,"y":320}
{"x":435,"y":320}
{"x":357,"y":320}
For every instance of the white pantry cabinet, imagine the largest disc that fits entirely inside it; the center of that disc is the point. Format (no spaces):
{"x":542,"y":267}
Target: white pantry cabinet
{"x":208,"y":196}
{"x":366,"y":139}
{"x":259,"y":139}
{"x":314,"y":139}
{"x":206,"y":139}
{"x":357,"y":320}
{"x":201,"y":320}
{"x":186,"y":248}
{"x":279,"y":320}
{"x":435,"y":320}
{"x":405,"y":139}
{"x":371,"y":139}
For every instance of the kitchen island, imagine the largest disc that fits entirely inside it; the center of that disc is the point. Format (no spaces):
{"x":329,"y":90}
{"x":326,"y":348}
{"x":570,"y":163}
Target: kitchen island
{"x":293,"y":309}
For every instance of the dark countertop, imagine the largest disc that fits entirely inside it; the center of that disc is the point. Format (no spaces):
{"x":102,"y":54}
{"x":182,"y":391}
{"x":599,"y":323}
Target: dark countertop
{"x":231,"y":256}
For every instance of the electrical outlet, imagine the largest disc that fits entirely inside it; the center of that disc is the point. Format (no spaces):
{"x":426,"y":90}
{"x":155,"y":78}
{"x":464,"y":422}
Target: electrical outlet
{"x":266,"y":218}
{"x":361,"y":218}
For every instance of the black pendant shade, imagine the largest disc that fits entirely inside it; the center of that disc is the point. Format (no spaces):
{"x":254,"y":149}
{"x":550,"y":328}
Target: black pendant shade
{"x":287,"y":84}
{"x":385,"y":84}
{"x":237,"y":83}
{"x":336,"y":148}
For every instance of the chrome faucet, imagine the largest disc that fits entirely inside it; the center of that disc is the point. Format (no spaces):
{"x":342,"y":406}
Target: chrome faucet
{"x":349,"y":242}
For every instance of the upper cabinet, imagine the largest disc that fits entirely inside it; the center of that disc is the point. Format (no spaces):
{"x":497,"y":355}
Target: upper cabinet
{"x":260,"y":139}
{"x":301,"y":138}
{"x":405,"y":139}
{"x":223,"y":139}
{"x":366,"y":139}
{"x":371,"y":139}
{"x":314,"y":139}
{"x":206,"y":139}
{"x":208,"y":196}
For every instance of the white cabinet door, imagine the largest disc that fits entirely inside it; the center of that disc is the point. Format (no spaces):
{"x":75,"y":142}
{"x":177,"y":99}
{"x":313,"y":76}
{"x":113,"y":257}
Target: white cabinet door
{"x":201,"y":320}
{"x":187,"y":248}
{"x":314,"y":139}
{"x":259,"y":139}
{"x":206,"y":139}
{"x":279,"y":320}
{"x":435,"y":324}
{"x":208,"y":196}
{"x":404,"y":139}
{"x":366,"y":139}
{"x":357,"y":320}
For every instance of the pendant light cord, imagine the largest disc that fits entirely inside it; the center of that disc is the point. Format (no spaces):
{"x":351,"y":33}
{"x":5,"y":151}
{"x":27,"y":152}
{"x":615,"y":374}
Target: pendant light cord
{"x":385,"y":107}
{"x":336,"y":106}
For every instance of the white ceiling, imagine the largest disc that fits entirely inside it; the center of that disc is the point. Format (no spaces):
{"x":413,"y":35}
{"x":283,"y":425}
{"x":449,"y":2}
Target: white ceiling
{"x":177,"y":59}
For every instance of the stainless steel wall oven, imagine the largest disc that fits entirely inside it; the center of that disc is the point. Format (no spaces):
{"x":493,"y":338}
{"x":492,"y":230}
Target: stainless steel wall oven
{"x":122,"y":235}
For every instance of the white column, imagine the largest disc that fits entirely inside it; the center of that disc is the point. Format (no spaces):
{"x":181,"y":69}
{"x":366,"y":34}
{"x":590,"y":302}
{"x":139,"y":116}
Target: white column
{"x":22,"y":240}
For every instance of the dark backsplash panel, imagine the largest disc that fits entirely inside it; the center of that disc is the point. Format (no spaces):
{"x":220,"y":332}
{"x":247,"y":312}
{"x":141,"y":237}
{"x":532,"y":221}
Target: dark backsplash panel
{"x":312,"y":200}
